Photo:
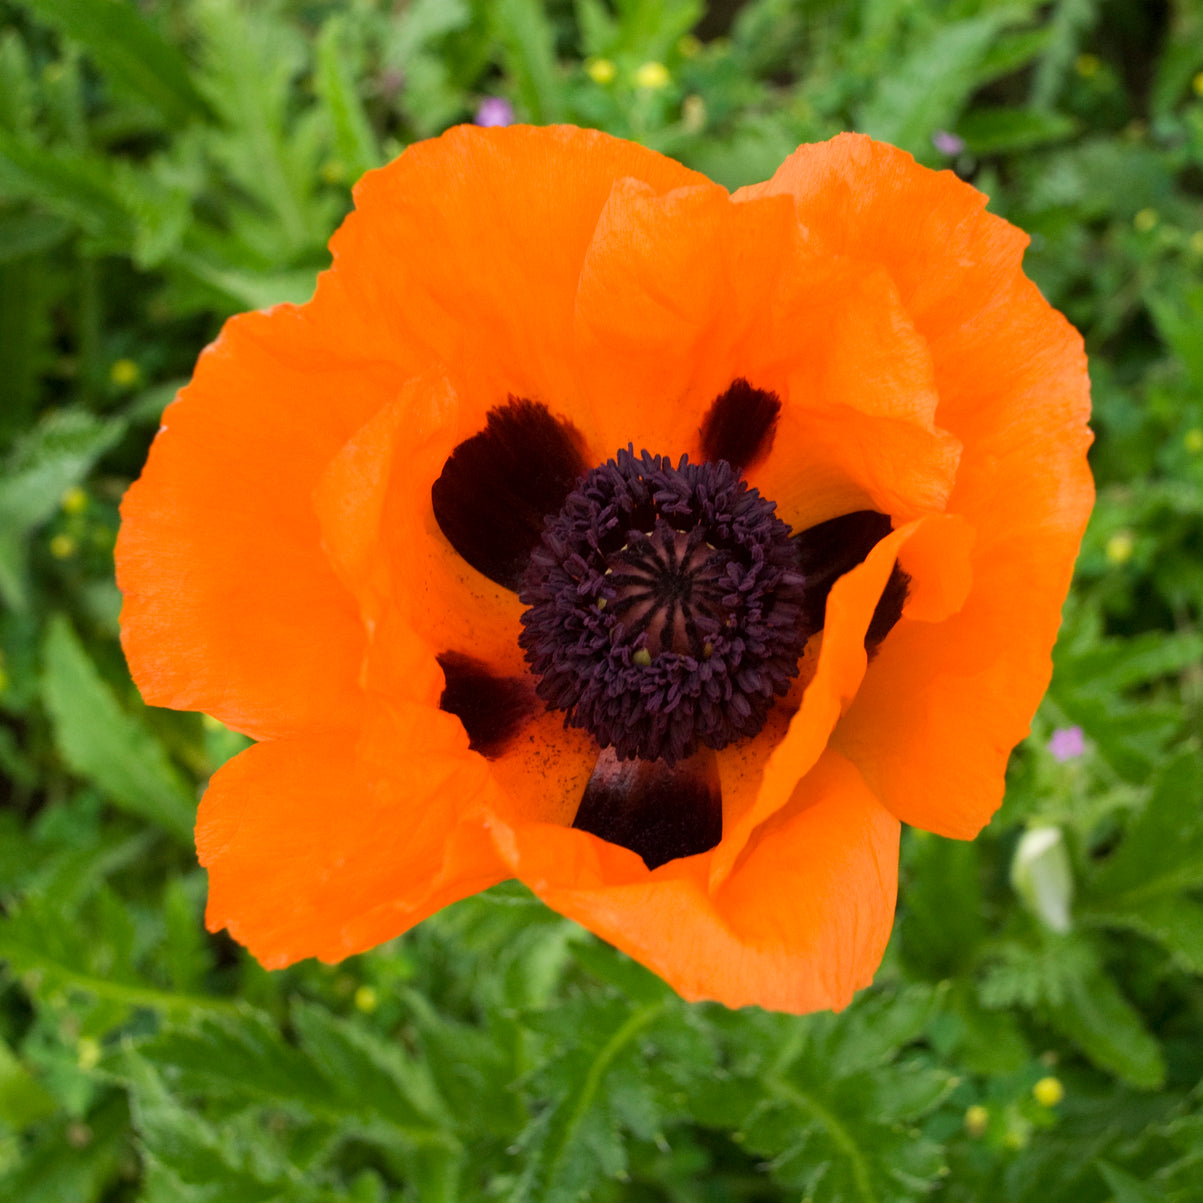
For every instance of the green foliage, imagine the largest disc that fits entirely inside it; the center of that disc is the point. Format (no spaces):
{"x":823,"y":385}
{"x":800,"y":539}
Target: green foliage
{"x":164,"y":164}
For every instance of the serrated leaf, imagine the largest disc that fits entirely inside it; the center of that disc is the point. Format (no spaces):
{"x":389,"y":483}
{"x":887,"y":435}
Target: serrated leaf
{"x":529,"y":47}
{"x":23,"y":234}
{"x":1176,"y":923}
{"x":640,"y":985}
{"x":45,"y":939}
{"x":989,"y":131}
{"x":367,"y":1073}
{"x":842,"y":1141}
{"x":878,"y":1027}
{"x":1162,"y":850}
{"x":339,"y":1076}
{"x":194,"y":1150}
{"x":55,"y":1171}
{"x":106,"y":745}
{"x":130,"y":52}
{"x":579,"y":1134}
{"x":1108,"y":1029}
{"x":926,"y":89}
{"x":76,"y":186}
{"x":23,"y":1100}
{"x":354,"y":140}
{"x":1125,"y":1188}
{"x":51,"y":457}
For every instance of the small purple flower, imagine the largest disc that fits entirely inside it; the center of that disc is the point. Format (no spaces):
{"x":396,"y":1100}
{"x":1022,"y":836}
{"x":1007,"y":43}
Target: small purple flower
{"x":1067,"y":743}
{"x":495,"y":110}
{"x":947,"y":143}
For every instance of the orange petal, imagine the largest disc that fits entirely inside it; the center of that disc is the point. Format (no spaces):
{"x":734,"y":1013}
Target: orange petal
{"x":799,"y":926}
{"x":936,"y":717}
{"x":872,"y":202}
{"x":379,"y":530}
{"x":230,"y":605}
{"x":670,"y":285}
{"x":858,"y":429}
{"x":942,"y":577}
{"x":328,"y":846}
{"x":467,"y":250}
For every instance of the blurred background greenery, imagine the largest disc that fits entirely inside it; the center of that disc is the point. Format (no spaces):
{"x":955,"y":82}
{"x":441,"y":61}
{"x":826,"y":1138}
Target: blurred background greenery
{"x":1037,"y":1029}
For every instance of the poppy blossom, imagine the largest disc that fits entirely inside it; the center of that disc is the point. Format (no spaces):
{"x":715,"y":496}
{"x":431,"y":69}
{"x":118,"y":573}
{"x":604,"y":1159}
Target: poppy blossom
{"x":662,"y":547}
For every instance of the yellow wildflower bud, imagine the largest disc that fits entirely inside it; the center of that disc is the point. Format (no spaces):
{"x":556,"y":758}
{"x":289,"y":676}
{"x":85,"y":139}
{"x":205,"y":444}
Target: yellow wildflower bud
{"x":601,"y":70}
{"x":87,"y":1053}
{"x":1120,"y":547}
{"x":652,"y":75}
{"x":366,"y":999}
{"x":977,"y":1120}
{"x":62,"y":547}
{"x":125,"y":373}
{"x":74,"y":500}
{"x":1048,"y":1092}
{"x":333,"y":171}
{"x":1145,"y":220}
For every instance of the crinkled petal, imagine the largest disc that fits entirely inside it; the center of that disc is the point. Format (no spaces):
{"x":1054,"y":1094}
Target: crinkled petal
{"x":330,"y":845}
{"x":800,"y":925}
{"x":934,"y":722}
{"x":230,"y":605}
{"x":467,"y":249}
{"x":939,"y":563}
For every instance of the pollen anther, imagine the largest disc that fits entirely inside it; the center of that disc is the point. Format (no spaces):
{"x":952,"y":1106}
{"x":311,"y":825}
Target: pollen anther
{"x":665,"y":607}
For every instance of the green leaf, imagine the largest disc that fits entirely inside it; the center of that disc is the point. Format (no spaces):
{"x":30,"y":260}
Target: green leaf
{"x":1125,"y":1188}
{"x":1179,"y":317}
{"x":195,"y":1151}
{"x":926,"y":89}
{"x":23,"y":1100}
{"x":529,"y":50}
{"x":76,"y":186}
{"x":1180,"y":59}
{"x":50,"y":458}
{"x":354,"y":140}
{"x":106,"y":745}
{"x":1176,"y":923}
{"x":341,"y":1075}
{"x":999,"y":130}
{"x":48,"y":939}
{"x":252,"y":290}
{"x":849,"y":1140}
{"x":133,"y":56}
{"x":1108,"y":1029}
{"x":23,"y":234}
{"x":16,"y":84}
{"x":58,"y":1171}
{"x":1162,"y":851}
{"x":598,"y":1082}
{"x":1012,"y":51}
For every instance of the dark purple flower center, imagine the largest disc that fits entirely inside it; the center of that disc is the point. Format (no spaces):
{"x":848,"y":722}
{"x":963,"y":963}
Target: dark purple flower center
{"x":665,"y":607}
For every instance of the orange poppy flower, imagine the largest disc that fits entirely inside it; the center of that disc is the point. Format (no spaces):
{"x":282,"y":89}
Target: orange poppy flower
{"x":661,"y":547}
